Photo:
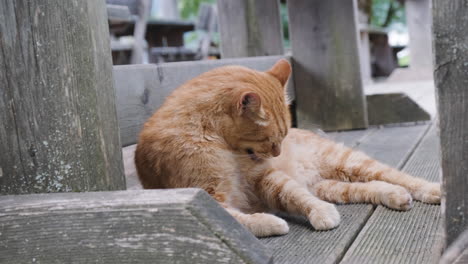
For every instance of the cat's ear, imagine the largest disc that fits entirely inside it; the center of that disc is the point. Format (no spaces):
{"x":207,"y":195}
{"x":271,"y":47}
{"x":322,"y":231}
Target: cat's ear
{"x":249,"y":103}
{"x":281,"y":71}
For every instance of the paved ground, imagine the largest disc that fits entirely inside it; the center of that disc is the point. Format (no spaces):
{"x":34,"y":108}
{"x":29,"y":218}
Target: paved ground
{"x":422,"y":92}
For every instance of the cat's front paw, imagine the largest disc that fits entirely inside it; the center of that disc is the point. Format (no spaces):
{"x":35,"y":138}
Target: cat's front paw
{"x":324,"y":217}
{"x":429,"y":193}
{"x":264,"y":225}
{"x":397,"y":198}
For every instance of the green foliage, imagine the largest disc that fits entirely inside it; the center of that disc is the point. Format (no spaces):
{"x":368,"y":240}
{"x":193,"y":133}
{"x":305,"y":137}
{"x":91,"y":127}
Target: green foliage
{"x":387,"y":12}
{"x":285,"y":24}
{"x":404,"y":61}
{"x":189,"y":8}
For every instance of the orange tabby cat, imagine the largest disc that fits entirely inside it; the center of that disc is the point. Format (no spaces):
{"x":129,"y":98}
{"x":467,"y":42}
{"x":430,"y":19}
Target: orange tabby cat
{"x":228,"y":132}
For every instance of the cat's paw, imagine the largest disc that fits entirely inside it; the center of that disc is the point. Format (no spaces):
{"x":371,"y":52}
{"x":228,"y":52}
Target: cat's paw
{"x":264,"y":225}
{"x":324,"y":216}
{"x":429,"y":193}
{"x":397,"y":198}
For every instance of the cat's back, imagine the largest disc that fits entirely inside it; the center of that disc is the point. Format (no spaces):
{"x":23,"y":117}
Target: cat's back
{"x":183,"y":131}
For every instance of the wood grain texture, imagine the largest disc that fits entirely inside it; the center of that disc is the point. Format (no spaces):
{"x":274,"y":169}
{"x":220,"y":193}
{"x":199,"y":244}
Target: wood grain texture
{"x":151,"y":226}
{"x":457,"y":253}
{"x":351,"y":138}
{"x":393,"y":145}
{"x":141,"y":89}
{"x":58,"y":118}
{"x":404,"y":237}
{"x":394,"y":108}
{"x":450,"y":31}
{"x":324,"y":41}
{"x":305,"y":245}
{"x":250,"y":28}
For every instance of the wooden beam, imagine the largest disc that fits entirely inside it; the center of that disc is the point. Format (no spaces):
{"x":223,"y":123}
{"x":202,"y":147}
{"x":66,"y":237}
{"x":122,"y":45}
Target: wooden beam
{"x":450,"y":32}
{"x":457,"y":253}
{"x":324,"y":40}
{"x":118,"y":13}
{"x":144,"y":8}
{"x":250,"y":28}
{"x":141,"y":89}
{"x":58,"y":118}
{"x":163,"y":226}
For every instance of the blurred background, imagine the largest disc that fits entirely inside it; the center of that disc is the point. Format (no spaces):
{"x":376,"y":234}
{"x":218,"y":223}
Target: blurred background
{"x":184,"y":30}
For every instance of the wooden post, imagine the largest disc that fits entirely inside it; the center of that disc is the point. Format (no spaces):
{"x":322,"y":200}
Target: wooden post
{"x":250,"y":28}
{"x":450,"y":31}
{"x":419,"y":19}
{"x":365,"y":56}
{"x":144,"y":7}
{"x":59,"y":128}
{"x":324,"y":40}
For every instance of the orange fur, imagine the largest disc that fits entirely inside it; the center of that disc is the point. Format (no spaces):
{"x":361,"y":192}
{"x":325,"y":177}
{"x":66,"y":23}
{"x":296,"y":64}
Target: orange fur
{"x":228,"y":131}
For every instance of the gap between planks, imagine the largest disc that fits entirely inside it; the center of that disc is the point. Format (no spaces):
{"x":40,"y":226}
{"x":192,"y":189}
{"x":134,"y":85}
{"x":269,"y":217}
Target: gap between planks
{"x":372,"y":245}
{"x":359,"y":139}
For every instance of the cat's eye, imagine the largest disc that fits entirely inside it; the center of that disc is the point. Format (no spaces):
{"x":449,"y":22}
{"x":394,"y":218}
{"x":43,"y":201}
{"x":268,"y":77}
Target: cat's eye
{"x":256,"y":140}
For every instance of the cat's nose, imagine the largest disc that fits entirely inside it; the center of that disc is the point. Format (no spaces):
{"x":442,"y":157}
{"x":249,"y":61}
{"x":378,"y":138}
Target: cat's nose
{"x":275,"y":150}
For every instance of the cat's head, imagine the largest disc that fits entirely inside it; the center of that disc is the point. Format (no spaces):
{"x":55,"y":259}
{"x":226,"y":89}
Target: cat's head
{"x":260,"y":112}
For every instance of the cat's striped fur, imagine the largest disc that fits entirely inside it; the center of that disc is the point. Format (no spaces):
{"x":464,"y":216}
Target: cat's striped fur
{"x":228,"y":132}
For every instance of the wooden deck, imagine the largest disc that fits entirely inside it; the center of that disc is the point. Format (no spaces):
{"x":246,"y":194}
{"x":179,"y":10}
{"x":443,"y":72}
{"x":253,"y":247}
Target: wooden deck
{"x":367,"y":234}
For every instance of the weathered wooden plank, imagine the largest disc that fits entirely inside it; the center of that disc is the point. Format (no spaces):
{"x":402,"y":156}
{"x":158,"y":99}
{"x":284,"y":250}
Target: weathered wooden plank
{"x":393,"y":145}
{"x":305,"y":245}
{"x":394,"y":108}
{"x":162,"y":226}
{"x":118,"y":13}
{"x":450,"y":28}
{"x":457,"y":253}
{"x":250,"y":28}
{"x":351,"y":138}
{"x":141,"y":89}
{"x":326,"y":64}
{"x":131,"y":177}
{"x":132,"y":5}
{"x":404,"y":237}
{"x":58,"y":119}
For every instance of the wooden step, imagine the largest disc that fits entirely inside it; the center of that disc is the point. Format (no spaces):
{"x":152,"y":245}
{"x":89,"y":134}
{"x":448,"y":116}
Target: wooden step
{"x":163,"y":226}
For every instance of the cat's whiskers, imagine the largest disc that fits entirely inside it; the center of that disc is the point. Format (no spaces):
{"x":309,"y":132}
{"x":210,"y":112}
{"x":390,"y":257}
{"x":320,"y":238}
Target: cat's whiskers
{"x":262,"y":123}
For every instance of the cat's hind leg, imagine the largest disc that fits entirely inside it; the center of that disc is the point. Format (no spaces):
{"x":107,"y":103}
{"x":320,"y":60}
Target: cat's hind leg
{"x":260,"y":224}
{"x":375,"y":192}
{"x":346,"y":164}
